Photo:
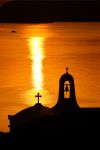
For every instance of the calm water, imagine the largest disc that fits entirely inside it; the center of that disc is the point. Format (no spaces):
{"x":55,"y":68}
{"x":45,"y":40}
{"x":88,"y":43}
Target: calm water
{"x":33,"y":59}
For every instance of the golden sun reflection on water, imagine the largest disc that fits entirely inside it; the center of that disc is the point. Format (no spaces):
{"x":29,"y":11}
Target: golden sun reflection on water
{"x":37,"y":56}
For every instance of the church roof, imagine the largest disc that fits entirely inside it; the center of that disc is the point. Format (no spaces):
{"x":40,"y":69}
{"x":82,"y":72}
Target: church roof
{"x":31,"y":114}
{"x":66,"y":76}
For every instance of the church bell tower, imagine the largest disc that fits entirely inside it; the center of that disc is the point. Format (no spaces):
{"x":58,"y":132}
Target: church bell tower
{"x":66,"y":98}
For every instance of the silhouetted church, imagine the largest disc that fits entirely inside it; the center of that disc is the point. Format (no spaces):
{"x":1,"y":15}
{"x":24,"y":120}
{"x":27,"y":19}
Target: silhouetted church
{"x":38,"y":118}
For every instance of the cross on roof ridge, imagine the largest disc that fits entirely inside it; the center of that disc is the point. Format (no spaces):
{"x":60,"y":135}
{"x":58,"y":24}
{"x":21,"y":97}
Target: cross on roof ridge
{"x":38,"y":95}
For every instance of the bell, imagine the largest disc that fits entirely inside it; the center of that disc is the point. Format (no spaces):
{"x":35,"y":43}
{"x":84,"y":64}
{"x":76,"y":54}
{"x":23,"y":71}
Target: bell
{"x":66,"y":88}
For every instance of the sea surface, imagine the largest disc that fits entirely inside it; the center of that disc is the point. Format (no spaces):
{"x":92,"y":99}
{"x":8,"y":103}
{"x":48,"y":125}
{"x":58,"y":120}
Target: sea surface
{"x":34,"y":56}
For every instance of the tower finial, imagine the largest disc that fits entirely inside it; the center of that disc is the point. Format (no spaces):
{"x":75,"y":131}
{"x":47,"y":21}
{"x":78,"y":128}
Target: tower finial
{"x":66,"y":69}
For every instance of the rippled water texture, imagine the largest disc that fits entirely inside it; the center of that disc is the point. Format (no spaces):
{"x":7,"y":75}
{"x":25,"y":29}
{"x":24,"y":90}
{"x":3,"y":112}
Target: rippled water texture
{"x":33,"y":58}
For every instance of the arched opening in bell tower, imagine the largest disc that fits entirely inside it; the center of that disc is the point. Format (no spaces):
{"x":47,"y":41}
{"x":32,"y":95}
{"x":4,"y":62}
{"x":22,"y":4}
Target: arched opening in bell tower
{"x":66,"y":89}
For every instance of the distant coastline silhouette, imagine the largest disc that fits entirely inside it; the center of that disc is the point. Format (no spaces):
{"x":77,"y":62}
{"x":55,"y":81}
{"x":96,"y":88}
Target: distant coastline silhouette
{"x":49,"y":11}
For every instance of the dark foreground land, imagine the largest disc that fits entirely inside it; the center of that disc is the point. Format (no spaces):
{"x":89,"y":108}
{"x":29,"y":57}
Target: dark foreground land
{"x":71,"y":126}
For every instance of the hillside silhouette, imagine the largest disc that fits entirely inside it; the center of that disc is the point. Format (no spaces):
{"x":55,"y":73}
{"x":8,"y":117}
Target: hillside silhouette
{"x":49,"y":11}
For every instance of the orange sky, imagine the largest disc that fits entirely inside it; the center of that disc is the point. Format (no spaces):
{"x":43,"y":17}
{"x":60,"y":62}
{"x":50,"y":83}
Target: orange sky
{"x":3,"y":1}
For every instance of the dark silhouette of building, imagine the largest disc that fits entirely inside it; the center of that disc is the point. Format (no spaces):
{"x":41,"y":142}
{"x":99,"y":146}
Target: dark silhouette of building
{"x":67,"y":98}
{"x":40,"y":120}
{"x":34,"y":120}
{"x":65,"y":118}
